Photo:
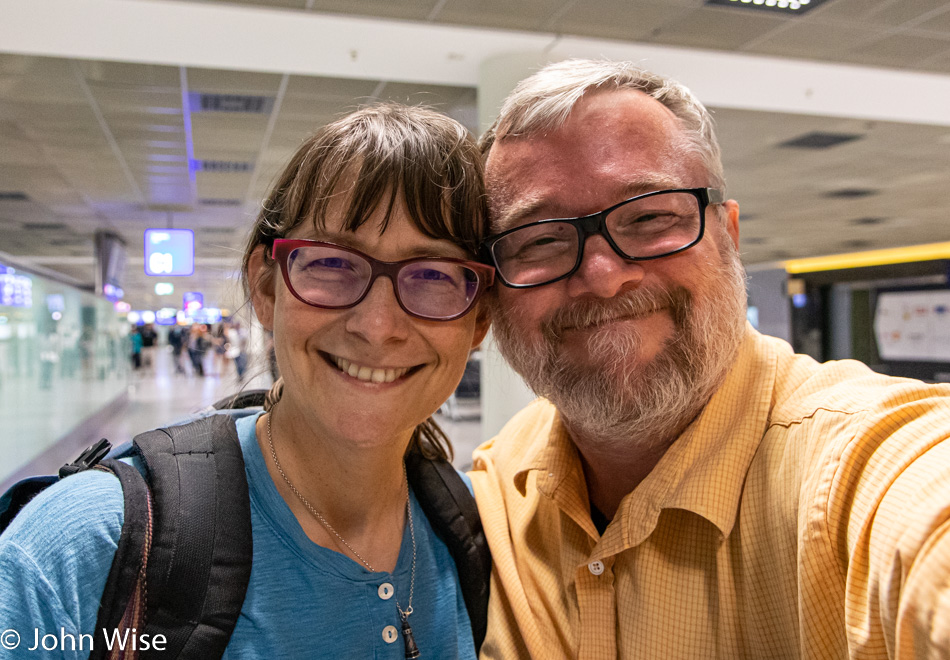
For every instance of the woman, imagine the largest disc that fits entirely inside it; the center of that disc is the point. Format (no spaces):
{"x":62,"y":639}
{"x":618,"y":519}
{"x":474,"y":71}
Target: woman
{"x":359,"y":264}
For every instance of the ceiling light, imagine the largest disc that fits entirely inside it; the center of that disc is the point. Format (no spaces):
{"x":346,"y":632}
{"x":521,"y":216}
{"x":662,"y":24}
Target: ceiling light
{"x":784,"y":6}
{"x":929,"y":252}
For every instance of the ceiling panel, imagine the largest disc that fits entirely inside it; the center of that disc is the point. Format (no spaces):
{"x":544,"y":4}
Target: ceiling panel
{"x":907,"y":11}
{"x":619,"y":20}
{"x":720,"y":28}
{"x":524,"y":15}
{"x":413,"y":10}
{"x":812,"y":40}
{"x":897,"y":50}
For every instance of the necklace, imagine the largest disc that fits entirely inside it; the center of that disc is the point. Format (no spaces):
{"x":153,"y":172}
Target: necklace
{"x":412,"y":651}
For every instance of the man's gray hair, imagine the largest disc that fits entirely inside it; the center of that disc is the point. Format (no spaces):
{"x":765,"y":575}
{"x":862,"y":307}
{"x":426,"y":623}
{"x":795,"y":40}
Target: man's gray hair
{"x":543,"y":102}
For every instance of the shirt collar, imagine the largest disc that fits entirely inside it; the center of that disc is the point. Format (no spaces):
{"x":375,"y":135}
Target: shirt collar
{"x":702,"y":472}
{"x":704,"y":469}
{"x":552,"y":454}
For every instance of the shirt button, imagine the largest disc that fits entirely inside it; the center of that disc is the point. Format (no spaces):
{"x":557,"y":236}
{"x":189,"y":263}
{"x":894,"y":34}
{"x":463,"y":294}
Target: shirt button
{"x":596,"y":567}
{"x":390,"y":634}
{"x":386,"y":591}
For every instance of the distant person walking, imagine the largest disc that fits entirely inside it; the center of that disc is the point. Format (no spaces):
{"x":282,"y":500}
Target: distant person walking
{"x":237,"y":347}
{"x":197,"y":346}
{"x":149,"y":342}
{"x":136,"y":338}
{"x":176,"y":339}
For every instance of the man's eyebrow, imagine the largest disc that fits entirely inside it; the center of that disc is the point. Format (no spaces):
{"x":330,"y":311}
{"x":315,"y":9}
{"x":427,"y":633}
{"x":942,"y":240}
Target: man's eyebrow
{"x":653,"y":183}
{"x":516,"y":212}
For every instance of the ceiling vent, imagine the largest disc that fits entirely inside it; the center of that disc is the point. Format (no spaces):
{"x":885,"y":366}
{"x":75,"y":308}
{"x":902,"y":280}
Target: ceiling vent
{"x":69,"y":240}
{"x":219,"y":202}
{"x":13,"y":197}
{"x":779,"y":6}
{"x":221,"y":166}
{"x":44,"y":226}
{"x":851,"y":193}
{"x":820,"y":140}
{"x":216,"y":230}
{"x":244,"y":104}
{"x":869,"y":221}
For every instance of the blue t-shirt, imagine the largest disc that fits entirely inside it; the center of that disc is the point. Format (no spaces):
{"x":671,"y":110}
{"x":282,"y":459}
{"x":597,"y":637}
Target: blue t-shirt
{"x":303,"y":600}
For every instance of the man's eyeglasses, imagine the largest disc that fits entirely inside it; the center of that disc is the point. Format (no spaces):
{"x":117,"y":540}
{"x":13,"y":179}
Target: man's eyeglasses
{"x":335,"y":277}
{"x":648,"y":226}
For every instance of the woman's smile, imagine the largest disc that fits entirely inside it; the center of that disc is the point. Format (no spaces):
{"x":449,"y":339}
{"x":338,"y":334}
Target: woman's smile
{"x":367,"y":373}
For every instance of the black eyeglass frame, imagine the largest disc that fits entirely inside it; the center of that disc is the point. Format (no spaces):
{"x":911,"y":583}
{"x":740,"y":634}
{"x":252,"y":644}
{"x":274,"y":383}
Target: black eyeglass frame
{"x":283,"y":247}
{"x":595,"y":224}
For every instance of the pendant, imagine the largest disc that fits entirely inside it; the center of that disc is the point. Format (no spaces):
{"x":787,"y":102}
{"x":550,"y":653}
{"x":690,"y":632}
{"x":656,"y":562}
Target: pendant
{"x":412,"y":651}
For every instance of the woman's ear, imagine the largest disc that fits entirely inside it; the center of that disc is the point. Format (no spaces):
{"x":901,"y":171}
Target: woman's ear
{"x":260,"y":278}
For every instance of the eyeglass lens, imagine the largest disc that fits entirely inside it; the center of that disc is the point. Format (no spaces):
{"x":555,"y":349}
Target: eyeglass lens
{"x":330,"y":277}
{"x":641,"y":228}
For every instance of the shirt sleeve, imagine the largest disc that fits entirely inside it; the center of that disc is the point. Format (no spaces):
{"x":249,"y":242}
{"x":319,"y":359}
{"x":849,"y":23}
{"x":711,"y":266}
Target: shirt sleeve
{"x":896,"y":473}
{"x":55,"y":558}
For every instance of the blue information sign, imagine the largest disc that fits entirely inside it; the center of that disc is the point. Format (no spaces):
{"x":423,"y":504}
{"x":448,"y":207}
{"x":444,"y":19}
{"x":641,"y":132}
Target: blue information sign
{"x":169,"y":252}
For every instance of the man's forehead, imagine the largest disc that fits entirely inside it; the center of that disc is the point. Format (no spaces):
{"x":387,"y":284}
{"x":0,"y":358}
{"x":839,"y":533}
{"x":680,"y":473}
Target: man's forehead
{"x":572,"y":170}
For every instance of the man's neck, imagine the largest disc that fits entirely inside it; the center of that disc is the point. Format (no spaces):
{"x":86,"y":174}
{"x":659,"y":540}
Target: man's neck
{"x":613,"y":471}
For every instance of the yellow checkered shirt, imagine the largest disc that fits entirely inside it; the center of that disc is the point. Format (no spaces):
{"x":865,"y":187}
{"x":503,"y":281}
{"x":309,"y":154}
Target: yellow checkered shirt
{"x":804,"y":514}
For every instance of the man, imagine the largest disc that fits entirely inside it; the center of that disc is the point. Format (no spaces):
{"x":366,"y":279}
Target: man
{"x":687,"y":488}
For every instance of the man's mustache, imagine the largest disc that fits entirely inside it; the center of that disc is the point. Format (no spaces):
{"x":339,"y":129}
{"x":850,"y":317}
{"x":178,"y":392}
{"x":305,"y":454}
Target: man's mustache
{"x":633,"y":303}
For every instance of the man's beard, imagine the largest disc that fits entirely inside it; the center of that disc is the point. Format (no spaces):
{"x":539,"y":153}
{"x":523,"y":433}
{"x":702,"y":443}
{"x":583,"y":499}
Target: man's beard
{"x":604,"y":399}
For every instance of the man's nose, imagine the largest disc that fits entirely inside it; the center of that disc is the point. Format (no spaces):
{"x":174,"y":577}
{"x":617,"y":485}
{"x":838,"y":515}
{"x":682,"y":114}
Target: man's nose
{"x":603,"y":272}
{"x":378,"y":318}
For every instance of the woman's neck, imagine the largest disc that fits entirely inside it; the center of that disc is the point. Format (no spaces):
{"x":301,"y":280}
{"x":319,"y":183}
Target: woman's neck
{"x":360,"y":492}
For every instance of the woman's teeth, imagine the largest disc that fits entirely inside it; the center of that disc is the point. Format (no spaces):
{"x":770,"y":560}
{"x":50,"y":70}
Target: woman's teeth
{"x":369,"y":374}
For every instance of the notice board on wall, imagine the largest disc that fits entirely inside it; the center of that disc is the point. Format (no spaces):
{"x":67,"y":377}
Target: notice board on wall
{"x":913,"y":326}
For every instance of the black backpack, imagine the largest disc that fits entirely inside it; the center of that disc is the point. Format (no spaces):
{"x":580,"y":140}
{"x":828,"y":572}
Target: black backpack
{"x":186,"y":534}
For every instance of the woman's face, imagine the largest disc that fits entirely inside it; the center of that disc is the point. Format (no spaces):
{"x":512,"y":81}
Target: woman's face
{"x":427,"y":358}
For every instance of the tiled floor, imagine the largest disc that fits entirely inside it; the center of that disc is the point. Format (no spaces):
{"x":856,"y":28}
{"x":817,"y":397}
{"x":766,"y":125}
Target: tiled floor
{"x":160,"y":397}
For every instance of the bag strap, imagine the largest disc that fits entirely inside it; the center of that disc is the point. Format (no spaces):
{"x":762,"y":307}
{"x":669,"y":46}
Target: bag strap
{"x":20,"y":494}
{"x":122,"y":606}
{"x":200,"y":562}
{"x":451,"y":510}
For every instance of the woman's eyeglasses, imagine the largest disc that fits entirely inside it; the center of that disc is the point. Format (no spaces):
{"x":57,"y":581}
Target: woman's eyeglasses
{"x":335,"y":277}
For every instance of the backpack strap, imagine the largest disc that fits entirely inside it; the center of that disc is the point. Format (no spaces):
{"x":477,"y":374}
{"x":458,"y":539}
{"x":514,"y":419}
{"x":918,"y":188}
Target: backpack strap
{"x":122,"y":606}
{"x":451,"y":510}
{"x":243,"y":399}
{"x":200,"y":561}
{"x":20,"y":494}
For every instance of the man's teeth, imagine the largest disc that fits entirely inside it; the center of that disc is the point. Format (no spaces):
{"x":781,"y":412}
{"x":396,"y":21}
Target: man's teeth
{"x":369,"y":373}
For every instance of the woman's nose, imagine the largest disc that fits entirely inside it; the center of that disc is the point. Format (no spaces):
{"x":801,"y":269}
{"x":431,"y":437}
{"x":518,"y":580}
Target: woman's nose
{"x":378,"y":318}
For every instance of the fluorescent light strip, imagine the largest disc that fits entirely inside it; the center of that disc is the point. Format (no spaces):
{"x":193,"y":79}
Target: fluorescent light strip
{"x":928,"y":252}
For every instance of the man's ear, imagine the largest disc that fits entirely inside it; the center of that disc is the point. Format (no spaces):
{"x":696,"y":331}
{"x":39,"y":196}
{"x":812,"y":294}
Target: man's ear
{"x":260,"y":278}
{"x":732,"y":220}
{"x":482,"y":324}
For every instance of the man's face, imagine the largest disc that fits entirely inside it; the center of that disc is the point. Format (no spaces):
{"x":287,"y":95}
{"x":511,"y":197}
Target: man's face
{"x":620,"y":347}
